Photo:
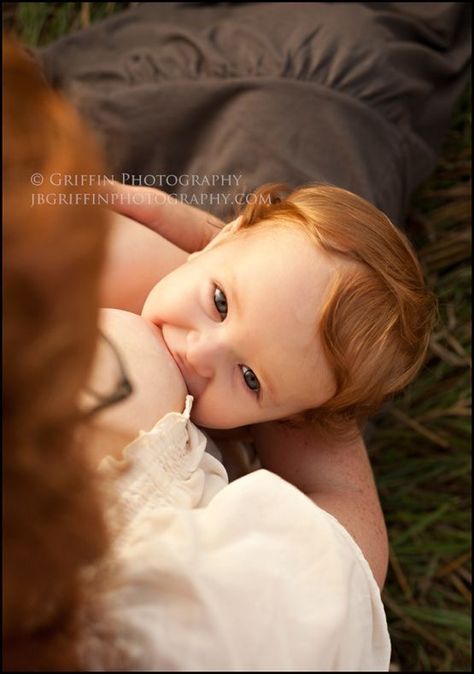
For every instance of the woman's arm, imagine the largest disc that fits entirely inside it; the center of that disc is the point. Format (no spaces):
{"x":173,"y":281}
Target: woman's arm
{"x":337,"y":476}
{"x":137,"y":258}
{"x":151,"y":234}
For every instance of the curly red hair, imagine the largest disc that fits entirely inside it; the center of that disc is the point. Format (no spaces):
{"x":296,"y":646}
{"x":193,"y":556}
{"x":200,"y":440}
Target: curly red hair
{"x":54,"y":525}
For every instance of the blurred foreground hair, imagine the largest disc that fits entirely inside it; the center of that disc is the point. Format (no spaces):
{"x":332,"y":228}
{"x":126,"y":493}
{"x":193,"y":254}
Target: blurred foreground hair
{"x":53,"y":523}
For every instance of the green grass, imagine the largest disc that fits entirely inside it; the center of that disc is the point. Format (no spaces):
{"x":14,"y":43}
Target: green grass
{"x":421,"y":446}
{"x":38,"y":23}
{"x":421,"y":449}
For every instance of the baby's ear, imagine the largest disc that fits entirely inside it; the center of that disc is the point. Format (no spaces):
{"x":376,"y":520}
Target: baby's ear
{"x":224,"y":235}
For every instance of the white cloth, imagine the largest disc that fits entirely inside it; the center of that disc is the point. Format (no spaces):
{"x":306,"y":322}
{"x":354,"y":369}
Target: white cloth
{"x":211,"y":576}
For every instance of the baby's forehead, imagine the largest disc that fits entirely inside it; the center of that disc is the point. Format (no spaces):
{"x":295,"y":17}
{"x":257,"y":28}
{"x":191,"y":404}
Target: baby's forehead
{"x":283,"y":233}
{"x":270,"y":231}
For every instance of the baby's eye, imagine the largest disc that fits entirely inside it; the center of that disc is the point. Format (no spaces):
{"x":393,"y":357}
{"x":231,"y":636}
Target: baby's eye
{"x":250,"y":379}
{"x":220,"y":301}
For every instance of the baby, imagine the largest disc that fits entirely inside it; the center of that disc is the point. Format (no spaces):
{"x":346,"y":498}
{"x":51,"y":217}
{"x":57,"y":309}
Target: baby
{"x":311,"y":307}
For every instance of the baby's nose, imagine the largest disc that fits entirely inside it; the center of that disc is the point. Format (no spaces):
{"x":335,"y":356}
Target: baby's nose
{"x":204,"y":353}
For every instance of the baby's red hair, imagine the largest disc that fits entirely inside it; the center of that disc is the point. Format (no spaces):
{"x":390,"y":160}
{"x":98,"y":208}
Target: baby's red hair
{"x":378,"y":316}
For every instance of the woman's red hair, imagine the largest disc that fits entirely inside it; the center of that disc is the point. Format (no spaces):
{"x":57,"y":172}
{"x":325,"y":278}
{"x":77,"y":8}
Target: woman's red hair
{"x":54,"y":525}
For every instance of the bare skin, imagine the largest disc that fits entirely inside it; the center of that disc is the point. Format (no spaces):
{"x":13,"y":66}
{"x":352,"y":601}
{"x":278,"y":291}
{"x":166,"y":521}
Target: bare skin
{"x":146,"y":361}
{"x":131,"y":268}
{"x":336,"y":476}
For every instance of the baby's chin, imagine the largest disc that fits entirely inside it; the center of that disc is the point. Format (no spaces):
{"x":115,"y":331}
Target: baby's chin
{"x":213,"y":421}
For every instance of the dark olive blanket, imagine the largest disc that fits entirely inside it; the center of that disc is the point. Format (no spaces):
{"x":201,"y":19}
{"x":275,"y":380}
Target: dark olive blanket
{"x":355,"y":94}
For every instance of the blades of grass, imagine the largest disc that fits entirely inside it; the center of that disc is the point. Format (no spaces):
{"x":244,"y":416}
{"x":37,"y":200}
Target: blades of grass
{"x":422,"y":524}
{"x":425,"y":584}
{"x":452,"y":619}
{"x":400,"y":576}
{"x":61,"y":21}
{"x":419,"y":428}
{"x":453,"y":192}
{"x":454,"y":211}
{"x":460,"y":587}
{"x":418,"y":476}
{"x":427,"y":635}
{"x":32,"y":17}
{"x":447,"y":355}
{"x":461,"y":409}
{"x":85,"y":14}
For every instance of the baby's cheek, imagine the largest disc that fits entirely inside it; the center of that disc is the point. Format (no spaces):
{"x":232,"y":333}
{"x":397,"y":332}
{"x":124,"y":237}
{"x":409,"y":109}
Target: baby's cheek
{"x":163,"y":303}
{"x":147,"y":310}
{"x":208,"y":411}
{"x":154,"y":308}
